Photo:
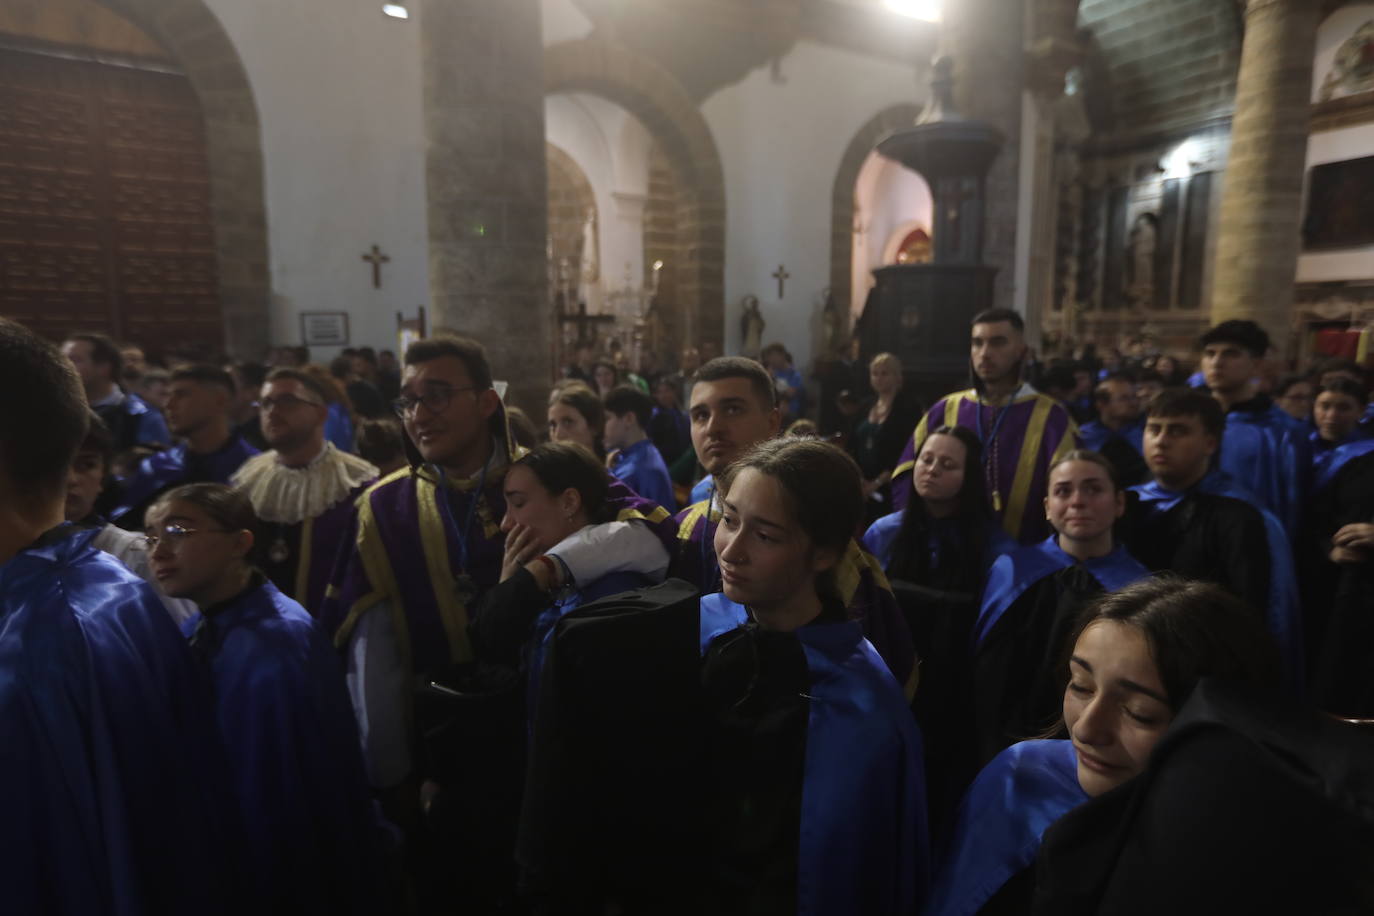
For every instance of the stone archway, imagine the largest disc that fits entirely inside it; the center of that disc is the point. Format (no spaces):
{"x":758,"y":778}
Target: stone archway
{"x":193,"y":34}
{"x":842,"y":195}
{"x":600,"y":66}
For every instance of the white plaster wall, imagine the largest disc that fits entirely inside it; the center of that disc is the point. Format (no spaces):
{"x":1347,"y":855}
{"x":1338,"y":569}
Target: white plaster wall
{"x":339,"y":99}
{"x":1332,"y":33}
{"x":612,"y":149}
{"x":780,"y":145}
{"x":1348,"y":263}
{"x":563,"y":22}
{"x":888,"y":197}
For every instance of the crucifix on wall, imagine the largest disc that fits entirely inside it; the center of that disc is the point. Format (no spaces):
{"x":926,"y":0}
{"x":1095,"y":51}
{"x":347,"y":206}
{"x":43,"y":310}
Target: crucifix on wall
{"x":376,"y":259}
{"x":781,"y":275}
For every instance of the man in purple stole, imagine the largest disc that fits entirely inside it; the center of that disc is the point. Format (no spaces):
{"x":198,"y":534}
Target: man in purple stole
{"x":426,"y":542}
{"x":733,"y":407}
{"x":303,"y":490}
{"x":1023,"y":432}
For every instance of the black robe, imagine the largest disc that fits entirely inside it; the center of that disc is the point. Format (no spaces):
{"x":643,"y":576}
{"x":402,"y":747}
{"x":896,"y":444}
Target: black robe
{"x":1338,"y":598}
{"x":1208,"y":537}
{"x":1250,"y":803}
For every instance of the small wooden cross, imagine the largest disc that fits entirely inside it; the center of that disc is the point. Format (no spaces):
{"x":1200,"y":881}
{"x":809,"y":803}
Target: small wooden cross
{"x":376,"y":259}
{"x":781,"y":275}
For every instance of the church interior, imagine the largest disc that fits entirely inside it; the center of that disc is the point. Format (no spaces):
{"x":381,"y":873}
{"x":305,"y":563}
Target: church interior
{"x":234,"y":176}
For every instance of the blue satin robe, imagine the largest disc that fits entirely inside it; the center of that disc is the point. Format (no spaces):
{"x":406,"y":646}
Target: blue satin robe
{"x":113,"y":784}
{"x":1329,"y":463}
{"x":314,"y":842}
{"x":1017,"y":571}
{"x":1094,"y":435}
{"x":1267,"y":453}
{"x":1001,"y":821}
{"x":704,"y":488}
{"x":864,"y":848}
{"x":167,"y":469}
{"x":1284,"y":612}
{"x":642,"y":469}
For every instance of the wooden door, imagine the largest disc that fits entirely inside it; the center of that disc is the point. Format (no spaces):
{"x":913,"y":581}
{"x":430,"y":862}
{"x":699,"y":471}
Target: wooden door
{"x":105,"y":220}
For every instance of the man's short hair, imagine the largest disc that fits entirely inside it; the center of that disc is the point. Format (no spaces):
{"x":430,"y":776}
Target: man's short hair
{"x":1189,"y":402}
{"x":252,"y":374}
{"x":1289,"y":380}
{"x":723,"y":367}
{"x":1057,"y":378}
{"x":311,"y":383}
{"x":205,"y":374}
{"x":1100,"y":393}
{"x":43,"y":416}
{"x":1239,"y":331}
{"x":1338,"y":364}
{"x":103,"y":350}
{"x":1346,"y":387}
{"x":992,"y":316}
{"x":469,"y":352}
{"x":623,"y":399}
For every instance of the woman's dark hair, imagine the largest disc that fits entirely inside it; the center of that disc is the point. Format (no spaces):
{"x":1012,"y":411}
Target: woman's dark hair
{"x":227,"y":507}
{"x":587,"y":402}
{"x":561,"y":466}
{"x":522,"y":428}
{"x":823,"y":486}
{"x":964,"y":561}
{"x":379,"y":440}
{"x":1193,"y":630}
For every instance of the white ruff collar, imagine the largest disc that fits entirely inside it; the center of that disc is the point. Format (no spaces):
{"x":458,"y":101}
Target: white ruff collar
{"x":289,"y":495}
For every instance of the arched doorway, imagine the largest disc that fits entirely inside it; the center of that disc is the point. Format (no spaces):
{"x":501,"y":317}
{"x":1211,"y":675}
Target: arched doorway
{"x":695,"y":250}
{"x":181,"y":252}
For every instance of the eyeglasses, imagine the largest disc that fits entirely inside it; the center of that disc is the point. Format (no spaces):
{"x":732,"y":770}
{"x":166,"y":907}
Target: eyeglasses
{"x":435,"y":399}
{"x":283,"y":401}
{"x":175,"y":536}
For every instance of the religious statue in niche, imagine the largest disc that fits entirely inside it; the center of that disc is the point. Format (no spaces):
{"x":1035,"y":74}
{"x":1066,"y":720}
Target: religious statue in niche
{"x":1140,"y":261}
{"x":751,"y":325}
{"x":834,"y":327}
{"x":1353,"y":69}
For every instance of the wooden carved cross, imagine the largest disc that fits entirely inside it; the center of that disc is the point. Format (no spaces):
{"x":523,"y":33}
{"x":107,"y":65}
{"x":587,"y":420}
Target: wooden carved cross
{"x":376,"y":259}
{"x":781,"y":275}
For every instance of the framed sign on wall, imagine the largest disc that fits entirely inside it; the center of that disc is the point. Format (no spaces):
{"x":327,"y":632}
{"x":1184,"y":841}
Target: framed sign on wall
{"x":324,"y":329}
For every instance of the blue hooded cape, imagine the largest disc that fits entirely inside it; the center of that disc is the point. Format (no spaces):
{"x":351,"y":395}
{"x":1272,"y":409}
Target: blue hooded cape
{"x":864,"y":848}
{"x":1001,"y":820}
{"x":1329,"y":464}
{"x":113,"y":785}
{"x":314,"y":842}
{"x":1017,"y":571}
{"x":167,"y":469}
{"x":1267,"y":453}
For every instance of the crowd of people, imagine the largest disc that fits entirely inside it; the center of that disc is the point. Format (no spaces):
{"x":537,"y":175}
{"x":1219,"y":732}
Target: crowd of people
{"x":1085,"y":637}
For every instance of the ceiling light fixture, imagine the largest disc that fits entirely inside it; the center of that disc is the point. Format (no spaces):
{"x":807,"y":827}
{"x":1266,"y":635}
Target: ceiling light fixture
{"x":395,"y":10}
{"x":927,"y":10}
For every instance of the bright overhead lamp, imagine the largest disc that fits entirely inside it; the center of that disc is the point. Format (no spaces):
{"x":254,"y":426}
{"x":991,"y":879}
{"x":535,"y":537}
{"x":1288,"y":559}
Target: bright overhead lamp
{"x":927,"y":10}
{"x":395,"y":10}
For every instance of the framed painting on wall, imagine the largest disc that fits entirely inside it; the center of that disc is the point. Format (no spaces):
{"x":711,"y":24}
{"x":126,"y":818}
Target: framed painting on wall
{"x":324,"y":329}
{"x":1340,"y":205}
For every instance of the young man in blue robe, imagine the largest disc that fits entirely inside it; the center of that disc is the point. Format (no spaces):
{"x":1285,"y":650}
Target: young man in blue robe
{"x":1264,"y":450}
{"x":734,"y":407}
{"x":130,"y":419}
{"x":1118,"y":432}
{"x":302,"y":490}
{"x":112,"y":778}
{"x":634,"y":457}
{"x":1200,"y":523}
{"x":209,"y":452}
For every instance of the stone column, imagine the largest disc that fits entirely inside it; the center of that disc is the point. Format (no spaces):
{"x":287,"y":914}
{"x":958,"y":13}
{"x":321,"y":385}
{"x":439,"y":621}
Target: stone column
{"x":486,"y":179}
{"x":986,"y":38}
{"x":1261,"y":201}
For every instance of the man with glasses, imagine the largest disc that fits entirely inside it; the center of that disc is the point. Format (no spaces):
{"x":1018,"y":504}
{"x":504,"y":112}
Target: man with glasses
{"x":112,"y":778}
{"x":302,"y":490}
{"x":209,"y":452}
{"x":425,"y":545}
